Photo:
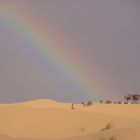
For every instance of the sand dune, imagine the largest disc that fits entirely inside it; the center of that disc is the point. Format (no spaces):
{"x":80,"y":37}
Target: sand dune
{"x":45,"y":119}
{"x":118,"y":134}
{"x":113,"y":134}
{"x":45,"y":103}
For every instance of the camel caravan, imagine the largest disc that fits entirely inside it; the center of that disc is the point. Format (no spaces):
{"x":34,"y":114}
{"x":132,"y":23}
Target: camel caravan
{"x":89,"y":103}
{"x":85,"y":104}
{"x":129,"y":99}
{"x":132,"y":98}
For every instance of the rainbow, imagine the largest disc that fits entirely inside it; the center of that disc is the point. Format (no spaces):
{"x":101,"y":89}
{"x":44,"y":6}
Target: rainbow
{"x":48,"y":46}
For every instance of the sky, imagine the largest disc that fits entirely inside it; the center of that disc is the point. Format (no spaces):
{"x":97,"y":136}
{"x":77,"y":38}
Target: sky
{"x":69,"y":50}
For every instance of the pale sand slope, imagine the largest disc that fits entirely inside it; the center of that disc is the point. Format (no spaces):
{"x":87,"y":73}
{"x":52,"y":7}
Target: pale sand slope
{"x":114,"y":134}
{"x":120,"y":134}
{"x":45,"y":119}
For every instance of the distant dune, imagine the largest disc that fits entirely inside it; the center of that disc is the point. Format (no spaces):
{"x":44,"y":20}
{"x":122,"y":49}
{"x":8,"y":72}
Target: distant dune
{"x":45,"y":103}
{"x":46,"y":119}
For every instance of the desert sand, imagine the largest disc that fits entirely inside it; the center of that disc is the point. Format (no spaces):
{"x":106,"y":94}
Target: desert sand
{"x":46,"y":120}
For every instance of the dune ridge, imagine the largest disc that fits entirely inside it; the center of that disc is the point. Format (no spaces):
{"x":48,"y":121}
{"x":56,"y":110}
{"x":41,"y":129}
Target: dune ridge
{"x":47,"y":119}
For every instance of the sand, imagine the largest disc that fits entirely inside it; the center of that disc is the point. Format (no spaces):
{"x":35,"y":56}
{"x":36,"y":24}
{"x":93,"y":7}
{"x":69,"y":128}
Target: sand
{"x":46,"y":120}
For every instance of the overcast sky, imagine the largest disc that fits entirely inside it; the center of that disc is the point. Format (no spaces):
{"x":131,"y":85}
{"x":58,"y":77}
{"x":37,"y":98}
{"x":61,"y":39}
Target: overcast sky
{"x":106,"y":32}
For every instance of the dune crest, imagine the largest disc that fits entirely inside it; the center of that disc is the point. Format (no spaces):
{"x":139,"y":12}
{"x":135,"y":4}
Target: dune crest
{"x":44,"y":103}
{"x":47,"y":119}
{"x":47,"y":103}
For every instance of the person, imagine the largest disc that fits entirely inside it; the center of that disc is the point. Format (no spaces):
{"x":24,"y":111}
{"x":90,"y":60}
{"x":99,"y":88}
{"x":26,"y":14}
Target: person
{"x":72,"y":106}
